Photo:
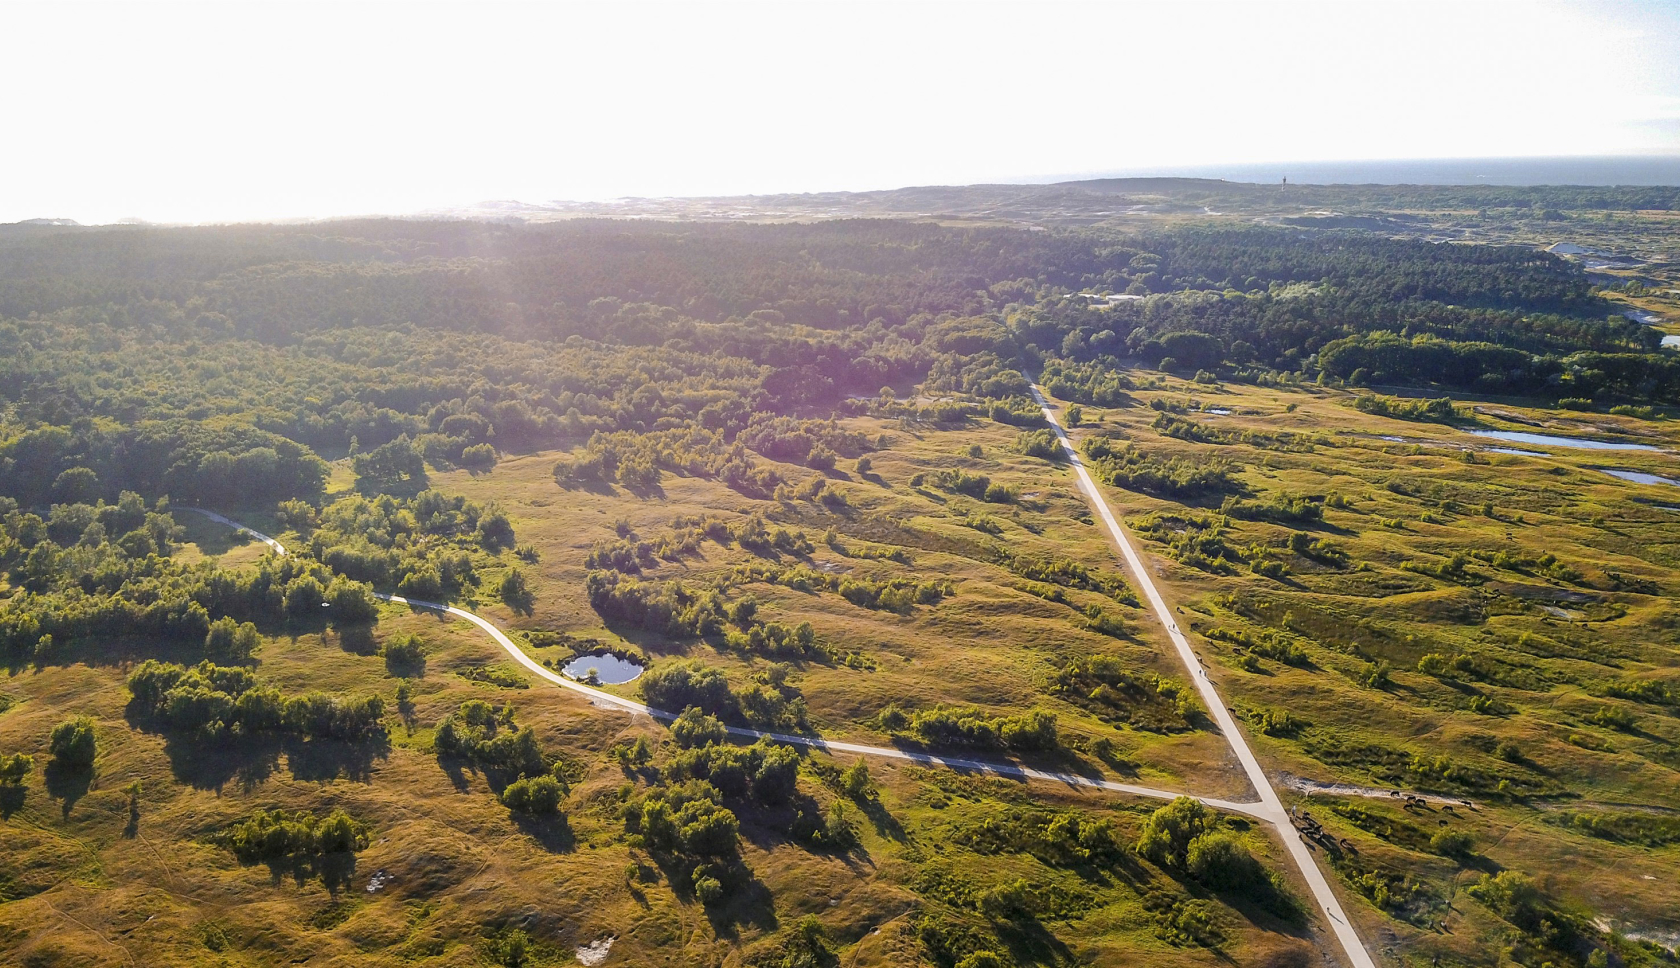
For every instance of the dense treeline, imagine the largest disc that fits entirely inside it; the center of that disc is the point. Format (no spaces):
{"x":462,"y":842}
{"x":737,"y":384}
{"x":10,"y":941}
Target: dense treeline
{"x":213,"y":365}
{"x":215,"y":702}
{"x":103,"y":569}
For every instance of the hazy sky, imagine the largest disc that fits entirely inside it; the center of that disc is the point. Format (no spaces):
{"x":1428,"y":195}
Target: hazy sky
{"x":266,"y":110}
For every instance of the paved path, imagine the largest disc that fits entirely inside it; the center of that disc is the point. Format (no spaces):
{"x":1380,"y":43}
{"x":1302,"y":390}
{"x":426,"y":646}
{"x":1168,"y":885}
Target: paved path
{"x":607,"y":700}
{"x":1270,"y":808}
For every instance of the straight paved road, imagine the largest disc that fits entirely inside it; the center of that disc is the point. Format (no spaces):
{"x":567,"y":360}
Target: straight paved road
{"x":1270,"y":807}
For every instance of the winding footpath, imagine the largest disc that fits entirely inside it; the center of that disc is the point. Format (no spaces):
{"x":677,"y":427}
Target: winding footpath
{"x":1270,"y":808}
{"x":607,"y":700}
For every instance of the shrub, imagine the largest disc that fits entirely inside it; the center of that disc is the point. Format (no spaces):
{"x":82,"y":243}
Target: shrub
{"x":821,"y":458}
{"x":478,"y":732}
{"x":1511,"y":895}
{"x":277,"y":835}
{"x":535,"y":795}
{"x":856,"y":783}
{"x":1614,"y":718}
{"x":695,"y":728}
{"x":1452,"y":843}
{"x":15,"y":768}
{"x":1039,"y":443}
{"x":1220,"y":861}
{"x":405,"y":653}
{"x":479,"y":457}
{"x":230,"y":641}
{"x":74,"y":743}
{"x":1168,"y":832}
{"x":513,"y":589}
{"x":689,"y":684}
{"x":709,"y":890}
{"x":1440,"y":409}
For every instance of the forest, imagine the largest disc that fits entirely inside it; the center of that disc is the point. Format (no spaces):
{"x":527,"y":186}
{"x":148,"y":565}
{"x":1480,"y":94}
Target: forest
{"x":222,"y":364}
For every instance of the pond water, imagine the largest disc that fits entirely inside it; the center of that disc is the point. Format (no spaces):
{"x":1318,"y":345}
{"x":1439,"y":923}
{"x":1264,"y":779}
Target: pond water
{"x":609,"y":668}
{"x":1640,"y":477}
{"x":1548,"y":440}
{"x":1516,"y":450}
{"x":1673,"y":341}
{"x":1219,"y":412}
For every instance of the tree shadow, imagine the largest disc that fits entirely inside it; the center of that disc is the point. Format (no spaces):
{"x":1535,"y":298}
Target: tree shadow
{"x":1030,"y":942}
{"x":12,"y":796}
{"x":522,"y":602}
{"x":334,"y":870}
{"x":67,"y":783}
{"x":457,"y":769}
{"x":212,"y":765}
{"x":750,"y":905}
{"x":357,"y":639}
{"x":554,"y":833}
{"x":322,"y":760}
{"x":646,"y":491}
{"x":131,"y":829}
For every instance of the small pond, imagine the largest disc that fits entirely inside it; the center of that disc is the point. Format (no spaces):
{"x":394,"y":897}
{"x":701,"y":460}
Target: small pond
{"x":1640,"y":477}
{"x":1515,"y":450}
{"x":1673,"y":341}
{"x":609,"y":668}
{"x":1548,"y":440}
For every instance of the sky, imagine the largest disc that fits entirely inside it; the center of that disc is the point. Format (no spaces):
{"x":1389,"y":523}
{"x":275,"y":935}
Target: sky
{"x":252,"y":110}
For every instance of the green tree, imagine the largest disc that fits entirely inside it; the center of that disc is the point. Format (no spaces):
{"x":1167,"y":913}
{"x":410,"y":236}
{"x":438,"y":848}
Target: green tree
{"x":695,"y":728}
{"x":1166,"y":835}
{"x":15,"y":768}
{"x":74,"y":743}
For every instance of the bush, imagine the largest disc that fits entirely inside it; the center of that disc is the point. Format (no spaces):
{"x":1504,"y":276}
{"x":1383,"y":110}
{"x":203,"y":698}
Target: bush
{"x":405,"y":653}
{"x":479,"y":732}
{"x":1040,"y":443}
{"x":513,"y":589}
{"x":479,"y":457}
{"x":821,"y":458}
{"x":74,"y":744}
{"x":709,"y":890}
{"x":15,"y":768}
{"x":689,"y":684}
{"x":270,"y":835}
{"x":535,"y":795}
{"x":1511,"y":895}
{"x":1220,"y":861}
{"x":1452,"y":843}
{"x":1167,"y":834}
{"x":695,"y":728}
{"x":1440,"y":409}
{"x":230,"y":641}
{"x":1614,"y":718}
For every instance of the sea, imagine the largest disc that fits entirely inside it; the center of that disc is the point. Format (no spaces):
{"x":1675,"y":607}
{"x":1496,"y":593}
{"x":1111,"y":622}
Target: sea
{"x":1585,"y":170}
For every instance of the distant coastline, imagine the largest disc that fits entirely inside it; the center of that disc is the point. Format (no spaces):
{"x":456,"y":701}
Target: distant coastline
{"x":1607,"y":170}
